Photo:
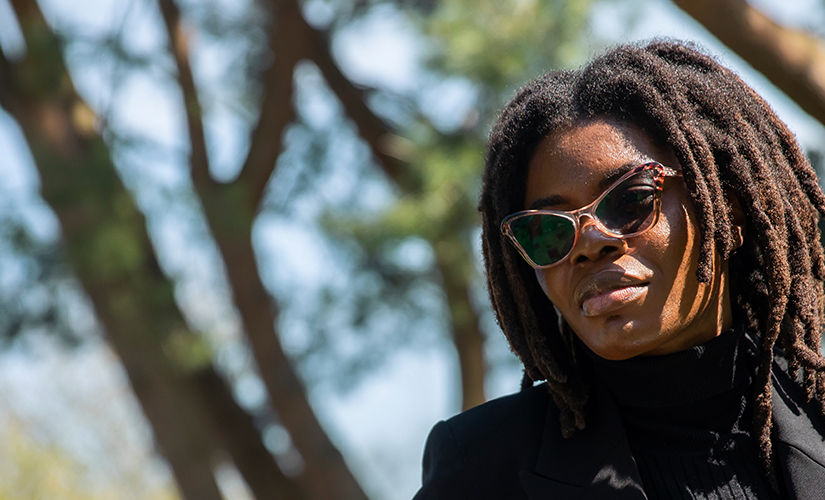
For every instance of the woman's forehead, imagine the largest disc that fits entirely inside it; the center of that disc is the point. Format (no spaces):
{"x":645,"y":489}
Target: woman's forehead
{"x":587,"y":157}
{"x":596,"y":139}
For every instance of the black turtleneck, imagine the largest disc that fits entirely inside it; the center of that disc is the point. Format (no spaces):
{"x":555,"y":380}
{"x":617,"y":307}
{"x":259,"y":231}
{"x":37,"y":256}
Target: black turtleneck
{"x":688,"y":419}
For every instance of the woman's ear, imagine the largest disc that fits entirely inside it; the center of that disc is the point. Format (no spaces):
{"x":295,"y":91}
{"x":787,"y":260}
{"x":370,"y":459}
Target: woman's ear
{"x":739,"y":220}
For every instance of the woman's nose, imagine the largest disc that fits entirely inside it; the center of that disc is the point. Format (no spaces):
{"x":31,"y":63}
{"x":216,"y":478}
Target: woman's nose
{"x":593,"y":244}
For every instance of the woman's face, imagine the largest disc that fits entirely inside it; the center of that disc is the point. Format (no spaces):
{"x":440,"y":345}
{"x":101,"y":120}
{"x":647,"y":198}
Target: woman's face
{"x":631,"y":297}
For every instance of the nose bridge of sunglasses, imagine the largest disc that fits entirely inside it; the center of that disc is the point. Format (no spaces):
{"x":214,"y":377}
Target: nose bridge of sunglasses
{"x":587,"y":218}
{"x":588,"y":223}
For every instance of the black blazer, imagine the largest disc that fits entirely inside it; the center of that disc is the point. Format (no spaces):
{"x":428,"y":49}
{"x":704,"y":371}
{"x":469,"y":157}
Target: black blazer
{"x":512,"y":448}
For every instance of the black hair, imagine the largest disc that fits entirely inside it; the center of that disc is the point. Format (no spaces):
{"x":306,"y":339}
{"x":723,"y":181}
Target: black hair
{"x":727,"y":140}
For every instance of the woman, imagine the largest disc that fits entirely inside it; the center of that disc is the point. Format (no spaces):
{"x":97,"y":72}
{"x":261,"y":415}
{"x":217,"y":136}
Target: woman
{"x":653,"y":257}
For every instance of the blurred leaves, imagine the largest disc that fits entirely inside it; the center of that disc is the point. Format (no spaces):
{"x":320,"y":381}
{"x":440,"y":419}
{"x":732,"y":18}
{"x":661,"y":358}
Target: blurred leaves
{"x":36,"y":287}
{"x":32,"y":470}
{"x":500,"y":44}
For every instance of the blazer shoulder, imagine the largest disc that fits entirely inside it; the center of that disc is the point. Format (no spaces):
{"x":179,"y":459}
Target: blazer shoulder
{"x":799,"y":435}
{"x":479,"y":452}
{"x":517,"y":413}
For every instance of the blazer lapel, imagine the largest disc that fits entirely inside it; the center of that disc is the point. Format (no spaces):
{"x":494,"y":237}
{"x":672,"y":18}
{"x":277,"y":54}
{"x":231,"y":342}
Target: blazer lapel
{"x":595,"y":463}
{"x":799,"y":437}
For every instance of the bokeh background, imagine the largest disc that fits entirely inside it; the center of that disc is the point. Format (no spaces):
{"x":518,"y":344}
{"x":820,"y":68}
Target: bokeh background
{"x":239,"y":252}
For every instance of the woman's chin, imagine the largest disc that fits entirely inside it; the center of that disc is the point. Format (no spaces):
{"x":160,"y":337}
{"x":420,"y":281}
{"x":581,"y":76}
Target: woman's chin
{"x":618,"y":338}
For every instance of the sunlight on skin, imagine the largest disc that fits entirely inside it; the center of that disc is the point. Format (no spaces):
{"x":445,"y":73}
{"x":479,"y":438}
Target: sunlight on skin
{"x":667,"y":309}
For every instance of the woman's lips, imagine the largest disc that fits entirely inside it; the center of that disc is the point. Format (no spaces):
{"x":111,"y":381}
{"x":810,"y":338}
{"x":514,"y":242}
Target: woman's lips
{"x":607,"y":291}
{"x":611,"y":300}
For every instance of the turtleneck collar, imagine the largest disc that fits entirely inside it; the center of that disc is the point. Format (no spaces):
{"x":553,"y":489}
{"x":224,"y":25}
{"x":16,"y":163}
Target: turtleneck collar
{"x":700,"y":373}
{"x":687,"y":417}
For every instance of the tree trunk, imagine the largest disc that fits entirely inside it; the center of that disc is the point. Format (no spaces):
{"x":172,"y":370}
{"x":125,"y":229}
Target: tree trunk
{"x":106,"y":242}
{"x":250,"y":456}
{"x":468,"y":339}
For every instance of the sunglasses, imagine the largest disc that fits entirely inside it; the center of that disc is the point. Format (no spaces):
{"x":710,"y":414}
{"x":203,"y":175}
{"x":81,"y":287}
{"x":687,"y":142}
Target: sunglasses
{"x":627,"y":208}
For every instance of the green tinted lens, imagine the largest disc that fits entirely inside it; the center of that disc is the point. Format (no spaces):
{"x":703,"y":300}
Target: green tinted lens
{"x":545,"y":238}
{"x":630,"y":207}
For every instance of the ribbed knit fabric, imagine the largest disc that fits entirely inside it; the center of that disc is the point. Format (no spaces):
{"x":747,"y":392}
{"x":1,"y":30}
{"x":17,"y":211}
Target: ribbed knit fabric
{"x":688,"y":420}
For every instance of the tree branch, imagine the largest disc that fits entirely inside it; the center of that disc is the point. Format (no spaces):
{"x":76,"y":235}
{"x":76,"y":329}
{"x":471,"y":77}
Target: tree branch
{"x":371,"y":128}
{"x":325,"y":474}
{"x":243,"y":441}
{"x":452,"y":262}
{"x":230,"y":214}
{"x":288,"y":47}
{"x":792,"y":60}
{"x":194,"y":119}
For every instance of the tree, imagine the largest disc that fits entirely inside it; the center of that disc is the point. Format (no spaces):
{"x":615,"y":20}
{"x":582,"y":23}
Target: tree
{"x":105,"y":238}
{"x":106,"y":241}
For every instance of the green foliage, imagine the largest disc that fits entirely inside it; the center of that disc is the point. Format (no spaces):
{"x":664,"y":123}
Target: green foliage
{"x":498,"y":44}
{"x":187,"y":351}
{"x":448,"y":169}
{"x":30,"y":470}
{"x":34,"y":277}
{"x":114,"y":251}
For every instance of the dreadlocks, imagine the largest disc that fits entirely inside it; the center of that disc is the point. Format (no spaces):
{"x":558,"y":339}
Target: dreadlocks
{"x":729,"y":142}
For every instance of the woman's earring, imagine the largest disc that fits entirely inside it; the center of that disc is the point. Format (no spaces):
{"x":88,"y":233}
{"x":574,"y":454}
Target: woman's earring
{"x":738,"y":238}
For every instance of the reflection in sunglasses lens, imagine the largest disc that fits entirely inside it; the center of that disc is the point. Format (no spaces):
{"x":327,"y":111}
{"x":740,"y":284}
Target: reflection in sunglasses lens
{"x":630,"y":206}
{"x":545,"y":238}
